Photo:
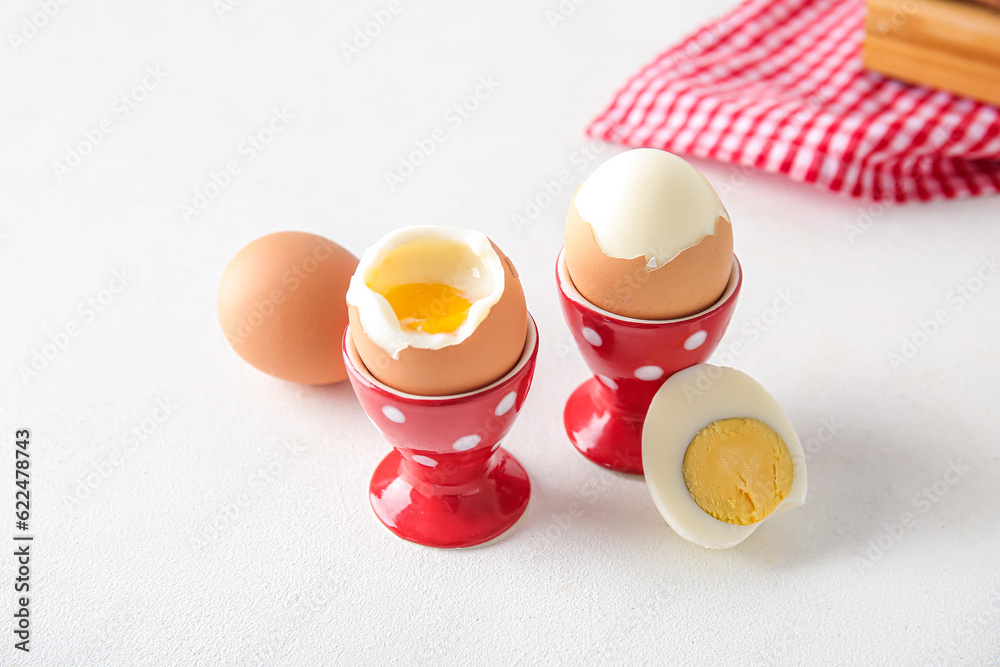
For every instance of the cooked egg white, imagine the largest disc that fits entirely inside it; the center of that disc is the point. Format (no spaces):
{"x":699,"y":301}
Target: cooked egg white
{"x":426,"y":287}
{"x":648,"y":203}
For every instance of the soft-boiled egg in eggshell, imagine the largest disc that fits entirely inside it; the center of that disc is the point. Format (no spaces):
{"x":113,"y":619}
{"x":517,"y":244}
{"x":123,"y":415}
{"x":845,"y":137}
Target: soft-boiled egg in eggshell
{"x":647,"y":237}
{"x":720,"y":456}
{"x":437,"y":310}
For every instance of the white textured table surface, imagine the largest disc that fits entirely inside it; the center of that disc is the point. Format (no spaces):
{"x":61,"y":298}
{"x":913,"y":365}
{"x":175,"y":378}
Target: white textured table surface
{"x":237,"y":530}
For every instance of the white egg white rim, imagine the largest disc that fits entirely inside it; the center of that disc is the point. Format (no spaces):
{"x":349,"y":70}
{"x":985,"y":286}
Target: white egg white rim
{"x":665,"y":440}
{"x":569,"y":289}
{"x":530,"y":343}
{"x":385,"y":329}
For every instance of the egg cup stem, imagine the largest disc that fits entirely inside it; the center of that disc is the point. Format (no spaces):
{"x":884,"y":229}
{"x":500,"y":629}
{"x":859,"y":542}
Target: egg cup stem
{"x":604,"y":428}
{"x":453,"y":472}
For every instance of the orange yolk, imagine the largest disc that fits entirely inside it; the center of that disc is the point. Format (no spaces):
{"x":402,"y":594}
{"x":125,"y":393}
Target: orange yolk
{"x":430,"y":308}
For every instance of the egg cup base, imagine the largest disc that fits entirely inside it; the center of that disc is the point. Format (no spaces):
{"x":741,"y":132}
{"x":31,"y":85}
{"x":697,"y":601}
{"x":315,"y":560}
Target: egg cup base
{"x":450,"y":518}
{"x":603,"y":433}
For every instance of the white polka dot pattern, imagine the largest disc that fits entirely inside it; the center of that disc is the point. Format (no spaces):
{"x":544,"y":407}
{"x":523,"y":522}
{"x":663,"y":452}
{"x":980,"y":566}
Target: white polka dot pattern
{"x":592,"y":336}
{"x":506,"y":403}
{"x":424,"y":460}
{"x":393,"y":414}
{"x":608,"y":382}
{"x":466,"y":442}
{"x":649,"y":373}
{"x":695,"y":340}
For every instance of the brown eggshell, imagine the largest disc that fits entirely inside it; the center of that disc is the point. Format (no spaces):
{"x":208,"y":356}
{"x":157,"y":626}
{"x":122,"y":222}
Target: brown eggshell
{"x":484,"y":357}
{"x":687,"y":284}
{"x":281,"y":303}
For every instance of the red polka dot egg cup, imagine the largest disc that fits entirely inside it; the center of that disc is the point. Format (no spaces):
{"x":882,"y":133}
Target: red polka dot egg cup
{"x":630,"y":359}
{"x":448,"y":483}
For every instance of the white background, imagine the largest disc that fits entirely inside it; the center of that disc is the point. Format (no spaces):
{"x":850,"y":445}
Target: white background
{"x":201,"y":545}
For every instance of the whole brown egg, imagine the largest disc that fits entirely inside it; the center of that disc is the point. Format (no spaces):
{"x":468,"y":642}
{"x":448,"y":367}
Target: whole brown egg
{"x":281,"y":306}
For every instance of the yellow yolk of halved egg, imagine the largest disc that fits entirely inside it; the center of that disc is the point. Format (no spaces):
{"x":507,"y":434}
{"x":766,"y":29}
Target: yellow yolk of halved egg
{"x":431,"y":308}
{"x":738,"y":470}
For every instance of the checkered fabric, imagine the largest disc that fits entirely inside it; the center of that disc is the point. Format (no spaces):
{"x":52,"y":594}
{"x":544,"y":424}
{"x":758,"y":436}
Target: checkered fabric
{"x":778,"y":84}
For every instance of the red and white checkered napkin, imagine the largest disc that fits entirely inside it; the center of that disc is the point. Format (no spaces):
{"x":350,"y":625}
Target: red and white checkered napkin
{"x":778,"y":84}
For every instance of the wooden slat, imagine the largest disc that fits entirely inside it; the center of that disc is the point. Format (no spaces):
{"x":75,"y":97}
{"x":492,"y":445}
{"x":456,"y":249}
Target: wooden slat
{"x":947,"y":25}
{"x":946,"y":44}
{"x":917,"y":64}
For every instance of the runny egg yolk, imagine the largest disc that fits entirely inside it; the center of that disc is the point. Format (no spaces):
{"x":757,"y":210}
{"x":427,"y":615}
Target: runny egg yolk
{"x":430,"y":308}
{"x":738,"y":470}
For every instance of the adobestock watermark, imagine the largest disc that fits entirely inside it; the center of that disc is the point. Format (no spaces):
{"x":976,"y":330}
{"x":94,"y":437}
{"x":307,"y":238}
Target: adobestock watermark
{"x":87,"y":311}
{"x":446,"y":646}
{"x":567,"y":347}
{"x":706,"y":39}
{"x":751,"y":331}
{"x":445,"y":461}
{"x":549,"y":189}
{"x":371,"y":29}
{"x":784,"y":643}
{"x":224,"y":8}
{"x":826,"y":433}
{"x":869,"y":214}
{"x":33,"y":24}
{"x":739,"y":173}
{"x":957,"y":298}
{"x":121,"y":108}
{"x":453,"y":117}
{"x":120,"y":624}
{"x":980,"y":624}
{"x":213,"y":528}
{"x":738,"y":176}
{"x":558,"y":524}
{"x":920,"y":506}
{"x":749,"y":164}
{"x":296,"y":610}
{"x":246,"y":152}
{"x":114,"y":460}
{"x":902,"y":12}
{"x":291,"y":280}
{"x":562,"y":12}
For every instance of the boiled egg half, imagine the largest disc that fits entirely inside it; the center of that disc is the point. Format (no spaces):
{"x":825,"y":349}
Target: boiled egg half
{"x":720,"y":456}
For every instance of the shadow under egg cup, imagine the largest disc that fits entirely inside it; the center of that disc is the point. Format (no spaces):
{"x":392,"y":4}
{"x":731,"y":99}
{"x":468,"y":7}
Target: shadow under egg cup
{"x":630,"y":359}
{"x":448,"y":483}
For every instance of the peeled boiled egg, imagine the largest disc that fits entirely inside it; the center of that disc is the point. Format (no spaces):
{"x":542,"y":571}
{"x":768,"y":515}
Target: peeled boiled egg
{"x":281,"y":306}
{"x":720,"y":456}
{"x":647,"y":237}
{"x":437,"y":310}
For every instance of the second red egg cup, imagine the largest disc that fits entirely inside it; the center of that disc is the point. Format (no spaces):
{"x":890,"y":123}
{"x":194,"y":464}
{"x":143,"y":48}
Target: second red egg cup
{"x":630,"y":359}
{"x":448,"y":483}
